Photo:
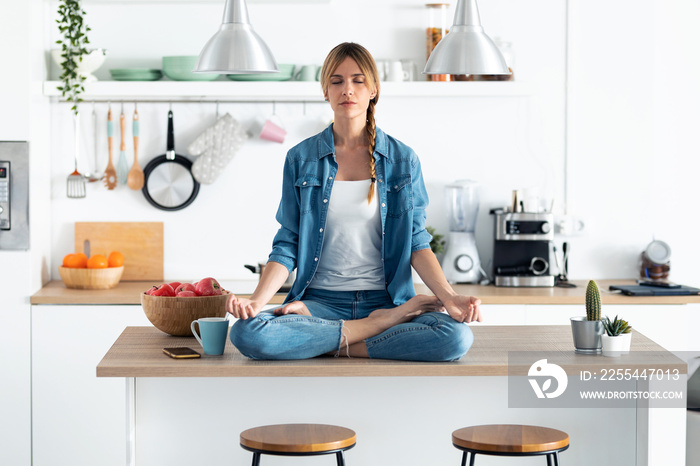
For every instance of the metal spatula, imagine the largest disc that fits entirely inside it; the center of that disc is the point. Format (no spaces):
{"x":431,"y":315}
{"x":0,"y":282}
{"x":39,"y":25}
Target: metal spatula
{"x":75,"y":184}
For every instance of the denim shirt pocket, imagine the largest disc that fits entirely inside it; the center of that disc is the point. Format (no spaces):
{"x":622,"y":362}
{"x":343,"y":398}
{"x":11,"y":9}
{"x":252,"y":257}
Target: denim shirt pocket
{"x":308,"y":186}
{"x":399,"y":195}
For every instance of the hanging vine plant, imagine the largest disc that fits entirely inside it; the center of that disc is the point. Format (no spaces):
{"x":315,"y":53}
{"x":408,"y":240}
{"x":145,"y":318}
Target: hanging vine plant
{"x":73,"y":47}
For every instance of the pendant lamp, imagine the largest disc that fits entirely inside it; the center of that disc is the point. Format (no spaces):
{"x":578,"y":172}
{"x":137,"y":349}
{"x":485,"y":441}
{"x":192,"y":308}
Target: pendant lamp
{"x":466,"y":49}
{"x":236,"y":48}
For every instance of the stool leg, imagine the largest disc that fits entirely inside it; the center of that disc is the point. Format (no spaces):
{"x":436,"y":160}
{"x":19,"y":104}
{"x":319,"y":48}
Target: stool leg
{"x":256,"y":459}
{"x":340,"y":458}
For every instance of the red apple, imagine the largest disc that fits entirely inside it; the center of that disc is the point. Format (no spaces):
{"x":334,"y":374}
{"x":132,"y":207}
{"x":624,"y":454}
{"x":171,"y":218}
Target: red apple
{"x":163,"y":290}
{"x":207,"y":287}
{"x":151,"y":290}
{"x":185,"y":287}
{"x":174,"y":285}
{"x":186,"y":294}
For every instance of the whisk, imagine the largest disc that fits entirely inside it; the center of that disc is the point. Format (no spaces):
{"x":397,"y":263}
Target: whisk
{"x":75,"y":184}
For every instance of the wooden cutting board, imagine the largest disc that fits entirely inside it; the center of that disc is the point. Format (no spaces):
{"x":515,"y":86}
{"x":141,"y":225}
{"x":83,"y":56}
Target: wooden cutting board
{"x":140,"y":242}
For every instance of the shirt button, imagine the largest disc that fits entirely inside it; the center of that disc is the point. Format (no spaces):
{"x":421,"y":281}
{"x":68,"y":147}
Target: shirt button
{"x":315,"y":259}
{"x":321,"y":230}
{"x":383,"y":205}
{"x":396,"y":187}
{"x":380,"y":180}
{"x":304,"y":183}
{"x":330,"y":177}
{"x":325,"y":200}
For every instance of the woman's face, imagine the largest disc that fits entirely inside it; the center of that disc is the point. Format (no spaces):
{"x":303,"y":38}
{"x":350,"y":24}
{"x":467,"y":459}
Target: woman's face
{"x":348,"y":91}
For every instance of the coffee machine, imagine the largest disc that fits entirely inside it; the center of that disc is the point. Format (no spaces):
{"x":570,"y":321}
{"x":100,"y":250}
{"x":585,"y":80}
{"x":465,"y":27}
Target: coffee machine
{"x":521,"y":250}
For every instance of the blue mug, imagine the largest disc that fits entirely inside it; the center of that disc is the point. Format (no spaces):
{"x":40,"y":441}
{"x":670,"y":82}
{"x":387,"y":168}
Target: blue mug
{"x":213,"y":334}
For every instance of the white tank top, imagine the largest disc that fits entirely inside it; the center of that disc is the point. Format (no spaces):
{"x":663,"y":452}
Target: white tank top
{"x":350,"y":257}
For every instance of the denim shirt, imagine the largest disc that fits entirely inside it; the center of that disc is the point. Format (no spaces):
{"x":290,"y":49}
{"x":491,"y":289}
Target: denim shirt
{"x":309,"y":173}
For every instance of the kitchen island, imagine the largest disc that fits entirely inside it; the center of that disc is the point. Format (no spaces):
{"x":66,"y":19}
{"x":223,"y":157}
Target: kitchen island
{"x":403,"y":412}
{"x":63,"y":351}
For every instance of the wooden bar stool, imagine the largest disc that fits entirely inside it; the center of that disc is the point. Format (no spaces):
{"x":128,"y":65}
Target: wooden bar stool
{"x":510,"y":440}
{"x":298,"y":440}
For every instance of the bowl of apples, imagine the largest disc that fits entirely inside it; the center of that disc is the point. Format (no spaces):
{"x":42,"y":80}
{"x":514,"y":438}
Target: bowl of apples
{"x":171,"y":307}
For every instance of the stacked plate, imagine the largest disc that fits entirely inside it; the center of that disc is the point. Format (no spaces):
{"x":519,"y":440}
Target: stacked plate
{"x":135,"y":74}
{"x":285,"y":74}
{"x":180,"y":69}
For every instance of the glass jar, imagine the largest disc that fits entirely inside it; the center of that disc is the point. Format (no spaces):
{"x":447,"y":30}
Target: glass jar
{"x":437,"y":28}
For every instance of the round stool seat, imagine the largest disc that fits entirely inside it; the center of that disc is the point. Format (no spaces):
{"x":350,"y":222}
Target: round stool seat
{"x":298,"y":438}
{"x":510,"y":440}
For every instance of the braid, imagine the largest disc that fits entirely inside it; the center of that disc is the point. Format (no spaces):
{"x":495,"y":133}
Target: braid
{"x":371,"y":136}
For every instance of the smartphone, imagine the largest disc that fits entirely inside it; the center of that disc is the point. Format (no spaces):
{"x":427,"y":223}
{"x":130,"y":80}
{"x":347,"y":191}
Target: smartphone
{"x":659,"y":284}
{"x":181,"y":353}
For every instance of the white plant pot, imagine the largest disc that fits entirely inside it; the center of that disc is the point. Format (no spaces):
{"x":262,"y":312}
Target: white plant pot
{"x":617,"y":345}
{"x":89,"y":64}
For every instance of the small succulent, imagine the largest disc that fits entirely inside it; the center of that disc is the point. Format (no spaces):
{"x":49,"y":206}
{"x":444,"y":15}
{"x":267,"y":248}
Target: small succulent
{"x":616,"y":327}
{"x":592,"y":301}
{"x":437,"y":244}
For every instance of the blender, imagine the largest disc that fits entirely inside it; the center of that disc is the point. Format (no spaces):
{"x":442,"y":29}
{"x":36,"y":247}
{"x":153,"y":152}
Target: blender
{"x":461,"y":260}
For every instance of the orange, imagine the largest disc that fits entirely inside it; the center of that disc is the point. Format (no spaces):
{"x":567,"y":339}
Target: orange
{"x":115,"y":259}
{"x":75,"y":261}
{"x":97,"y":261}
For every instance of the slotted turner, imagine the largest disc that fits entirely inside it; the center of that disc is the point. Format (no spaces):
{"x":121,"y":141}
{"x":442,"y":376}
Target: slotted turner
{"x":75,"y":184}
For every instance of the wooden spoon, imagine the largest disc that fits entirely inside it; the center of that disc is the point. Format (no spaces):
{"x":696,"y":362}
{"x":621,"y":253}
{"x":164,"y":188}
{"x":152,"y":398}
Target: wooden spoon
{"x":135,"y":177}
{"x":110,"y":172}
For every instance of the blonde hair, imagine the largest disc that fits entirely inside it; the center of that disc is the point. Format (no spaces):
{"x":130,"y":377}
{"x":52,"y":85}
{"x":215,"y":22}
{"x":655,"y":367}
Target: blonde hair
{"x":367,"y":65}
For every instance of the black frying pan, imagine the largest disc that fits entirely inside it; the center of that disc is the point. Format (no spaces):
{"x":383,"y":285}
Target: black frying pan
{"x":169,"y":183}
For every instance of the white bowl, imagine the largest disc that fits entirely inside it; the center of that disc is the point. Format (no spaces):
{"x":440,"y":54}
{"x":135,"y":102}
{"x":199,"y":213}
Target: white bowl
{"x":89,"y":64}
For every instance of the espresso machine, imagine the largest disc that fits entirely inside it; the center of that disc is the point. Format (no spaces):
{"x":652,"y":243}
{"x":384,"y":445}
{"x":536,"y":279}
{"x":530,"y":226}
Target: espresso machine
{"x":460,"y":262}
{"x":521,"y":250}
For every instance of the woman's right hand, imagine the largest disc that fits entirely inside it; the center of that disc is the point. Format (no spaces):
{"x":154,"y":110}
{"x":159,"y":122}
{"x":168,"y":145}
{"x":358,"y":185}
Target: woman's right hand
{"x":242,"y":308}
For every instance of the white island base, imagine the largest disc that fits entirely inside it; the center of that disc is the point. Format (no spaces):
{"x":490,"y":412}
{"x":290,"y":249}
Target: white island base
{"x":404,"y":417}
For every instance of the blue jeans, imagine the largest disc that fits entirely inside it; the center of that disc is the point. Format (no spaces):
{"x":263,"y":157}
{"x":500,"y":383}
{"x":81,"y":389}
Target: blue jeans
{"x":432,"y":336}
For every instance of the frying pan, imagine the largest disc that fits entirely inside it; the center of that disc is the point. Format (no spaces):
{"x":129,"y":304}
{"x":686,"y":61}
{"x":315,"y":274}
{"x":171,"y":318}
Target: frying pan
{"x":169,"y":183}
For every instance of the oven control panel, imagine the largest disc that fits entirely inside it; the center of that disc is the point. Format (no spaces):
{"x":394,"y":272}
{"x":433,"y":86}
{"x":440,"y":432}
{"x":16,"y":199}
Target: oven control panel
{"x":5,"y":195}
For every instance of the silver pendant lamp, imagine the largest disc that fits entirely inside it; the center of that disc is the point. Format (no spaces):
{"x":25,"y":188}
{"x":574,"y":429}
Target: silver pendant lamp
{"x":236,"y":48}
{"x":466,"y":49}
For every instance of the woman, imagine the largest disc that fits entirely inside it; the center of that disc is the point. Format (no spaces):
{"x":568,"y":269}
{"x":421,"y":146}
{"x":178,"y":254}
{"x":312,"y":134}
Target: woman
{"x":352,"y":219}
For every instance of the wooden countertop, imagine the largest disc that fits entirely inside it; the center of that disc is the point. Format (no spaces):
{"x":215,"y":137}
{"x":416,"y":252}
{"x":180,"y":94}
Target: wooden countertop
{"x":55,"y":292}
{"x":138,"y":353}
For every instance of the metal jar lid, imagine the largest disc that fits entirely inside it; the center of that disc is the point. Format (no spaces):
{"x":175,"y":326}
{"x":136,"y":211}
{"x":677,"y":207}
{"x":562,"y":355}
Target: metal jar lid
{"x":658,"y":252}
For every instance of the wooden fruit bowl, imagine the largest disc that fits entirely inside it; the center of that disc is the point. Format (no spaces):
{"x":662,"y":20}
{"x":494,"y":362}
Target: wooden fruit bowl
{"x":174,"y":315}
{"x":91,"y":279}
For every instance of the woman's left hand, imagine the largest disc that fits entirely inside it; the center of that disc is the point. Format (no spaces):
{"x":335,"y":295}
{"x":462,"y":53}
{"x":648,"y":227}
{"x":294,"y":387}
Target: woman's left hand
{"x":463,"y":308}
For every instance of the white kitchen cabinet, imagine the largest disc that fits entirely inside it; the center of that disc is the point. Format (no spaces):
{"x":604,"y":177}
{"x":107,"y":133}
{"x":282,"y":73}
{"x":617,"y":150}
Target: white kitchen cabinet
{"x":77,"y":419}
{"x":502,"y":314}
{"x":666,"y":324}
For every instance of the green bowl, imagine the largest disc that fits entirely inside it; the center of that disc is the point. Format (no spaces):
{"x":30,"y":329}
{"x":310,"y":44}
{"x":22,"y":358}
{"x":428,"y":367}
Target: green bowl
{"x":180,"y":68}
{"x":285,"y":74}
{"x":135,"y":74}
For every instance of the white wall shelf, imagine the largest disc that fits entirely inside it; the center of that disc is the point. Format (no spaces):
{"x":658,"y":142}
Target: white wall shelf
{"x":286,"y":91}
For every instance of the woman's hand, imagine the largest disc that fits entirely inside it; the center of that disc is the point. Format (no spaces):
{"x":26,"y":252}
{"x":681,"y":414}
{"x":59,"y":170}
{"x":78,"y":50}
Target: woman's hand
{"x":295,"y":307}
{"x":463,"y":308}
{"x":242,"y":308}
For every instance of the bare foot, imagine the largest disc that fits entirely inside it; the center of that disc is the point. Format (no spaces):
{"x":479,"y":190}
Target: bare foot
{"x":407,"y":311}
{"x":295,"y":307}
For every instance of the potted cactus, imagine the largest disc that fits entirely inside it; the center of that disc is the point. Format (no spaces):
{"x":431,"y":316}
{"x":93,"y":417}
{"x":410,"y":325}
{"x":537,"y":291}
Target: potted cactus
{"x":587,"y":330}
{"x":617,"y":337}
